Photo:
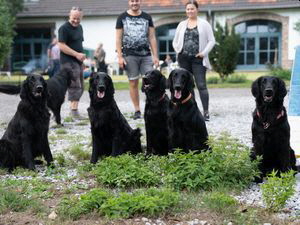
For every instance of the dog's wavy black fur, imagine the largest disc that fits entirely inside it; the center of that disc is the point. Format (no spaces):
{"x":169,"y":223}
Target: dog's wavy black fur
{"x":186,"y":125}
{"x":155,"y":113}
{"x":111,"y":133}
{"x":26,"y":136}
{"x":57,"y":87}
{"x":270,"y":127}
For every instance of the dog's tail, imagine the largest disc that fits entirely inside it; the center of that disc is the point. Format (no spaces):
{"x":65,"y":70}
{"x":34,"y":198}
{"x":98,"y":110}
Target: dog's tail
{"x":136,"y":141}
{"x":7,"y":153}
{"x":10,"y":89}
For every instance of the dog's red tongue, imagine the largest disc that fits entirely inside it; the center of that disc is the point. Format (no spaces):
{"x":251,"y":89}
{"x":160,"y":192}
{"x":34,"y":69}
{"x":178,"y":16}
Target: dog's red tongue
{"x":100,"y":94}
{"x":177,"y":94}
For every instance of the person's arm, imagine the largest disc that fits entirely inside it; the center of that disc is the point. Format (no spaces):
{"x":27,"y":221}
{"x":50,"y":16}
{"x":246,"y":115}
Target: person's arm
{"x":119,"y":35}
{"x":153,"y":45}
{"x":210,"y":41}
{"x":68,"y":51}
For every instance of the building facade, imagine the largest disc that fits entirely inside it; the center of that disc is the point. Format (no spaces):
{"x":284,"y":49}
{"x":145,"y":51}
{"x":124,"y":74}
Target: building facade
{"x":266,"y":27}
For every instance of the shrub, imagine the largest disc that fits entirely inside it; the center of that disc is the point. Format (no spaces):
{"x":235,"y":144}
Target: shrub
{"x":227,"y":165}
{"x":213,"y":80}
{"x":224,"y":56}
{"x":277,"y":190}
{"x":236,"y":78}
{"x":126,"y":171}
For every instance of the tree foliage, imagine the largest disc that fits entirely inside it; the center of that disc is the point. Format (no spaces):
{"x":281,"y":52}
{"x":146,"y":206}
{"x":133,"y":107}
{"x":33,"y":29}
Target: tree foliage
{"x":8,"y":11}
{"x":224,"y":56}
{"x":297,"y":26}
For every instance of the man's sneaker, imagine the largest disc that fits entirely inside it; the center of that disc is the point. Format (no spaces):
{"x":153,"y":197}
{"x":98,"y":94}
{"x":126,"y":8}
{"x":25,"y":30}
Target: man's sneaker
{"x":206,"y":116}
{"x":137,"y":115}
{"x":75,"y":115}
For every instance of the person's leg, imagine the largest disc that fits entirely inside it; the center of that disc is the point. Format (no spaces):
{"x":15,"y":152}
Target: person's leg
{"x":75,"y":89}
{"x":199,"y":72}
{"x":132,"y":69}
{"x":134,"y":94}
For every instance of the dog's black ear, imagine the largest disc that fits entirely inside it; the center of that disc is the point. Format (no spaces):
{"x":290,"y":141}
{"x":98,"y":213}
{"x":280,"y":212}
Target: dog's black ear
{"x":170,"y":82}
{"x":190,"y":82}
{"x":24,"y":89}
{"x":46,"y":93}
{"x":143,"y":86}
{"x":255,"y":88}
{"x":281,"y":88}
{"x":162,"y":83}
{"x":91,"y":81}
{"x":110,"y":84}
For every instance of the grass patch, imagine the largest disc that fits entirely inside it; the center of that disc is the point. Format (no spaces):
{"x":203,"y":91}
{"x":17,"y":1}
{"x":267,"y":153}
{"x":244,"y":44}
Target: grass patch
{"x":220,"y":202}
{"x":79,"y":153}
{"x":13,"y":201}
{"x":61,"y":131}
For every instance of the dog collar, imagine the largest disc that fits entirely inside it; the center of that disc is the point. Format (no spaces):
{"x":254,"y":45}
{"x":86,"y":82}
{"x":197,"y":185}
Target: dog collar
{"x":266,"y":125}
{"x":162,"y":97}
{"x":184,"y":100}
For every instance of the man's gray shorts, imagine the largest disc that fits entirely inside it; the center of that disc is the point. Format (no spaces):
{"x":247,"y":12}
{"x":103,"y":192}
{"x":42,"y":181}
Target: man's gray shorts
{"x":137,"y":65}
{"x":76,"y":87}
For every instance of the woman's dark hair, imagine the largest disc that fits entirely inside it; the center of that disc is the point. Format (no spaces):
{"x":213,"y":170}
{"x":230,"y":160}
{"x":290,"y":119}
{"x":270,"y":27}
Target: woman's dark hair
{"x":194,"y":2}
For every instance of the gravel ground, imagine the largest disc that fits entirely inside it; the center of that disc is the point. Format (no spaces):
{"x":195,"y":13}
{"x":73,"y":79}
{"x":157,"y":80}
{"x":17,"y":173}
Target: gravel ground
{"x":230,"y":111}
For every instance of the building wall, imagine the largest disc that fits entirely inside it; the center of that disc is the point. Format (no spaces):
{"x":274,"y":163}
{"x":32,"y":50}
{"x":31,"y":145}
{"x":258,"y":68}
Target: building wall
{"x":102,"y":29}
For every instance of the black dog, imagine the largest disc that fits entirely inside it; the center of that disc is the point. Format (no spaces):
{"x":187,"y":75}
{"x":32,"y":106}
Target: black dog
{"x":111,"y":133}
{"x":57,"y":87}
{"x":155,"y":115}
{"x":187,"y":129}
{"x":270,"y":127}
{"x":26,"y":136}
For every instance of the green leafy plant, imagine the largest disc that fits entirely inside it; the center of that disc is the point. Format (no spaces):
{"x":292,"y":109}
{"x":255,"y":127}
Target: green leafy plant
{"x":148,"y":202}
{"x":278,"y":189}
{"x":227,"y":165}
{"x":126,"y":171}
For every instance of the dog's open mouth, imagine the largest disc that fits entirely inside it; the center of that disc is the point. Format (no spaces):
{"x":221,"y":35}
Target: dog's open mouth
{"x":37,"y":93}
{"x":177,"y":94}
{"x":100,"y":94}
{"x":268,"y":98}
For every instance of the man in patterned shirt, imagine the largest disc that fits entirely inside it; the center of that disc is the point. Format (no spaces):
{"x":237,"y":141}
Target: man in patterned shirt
{"x":135,"y":41}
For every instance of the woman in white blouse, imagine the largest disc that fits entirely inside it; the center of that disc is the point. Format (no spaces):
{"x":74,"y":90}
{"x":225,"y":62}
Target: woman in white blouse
{"x":193,"y":40}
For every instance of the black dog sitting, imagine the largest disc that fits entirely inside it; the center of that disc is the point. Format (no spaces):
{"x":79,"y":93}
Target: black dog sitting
{"x":111,"y":133}
{"x":26,"y":136}
{"x":155,"y":114}
{"x":270,"y":127}
{"x":57,"y":87}
{"x":187,"y":129}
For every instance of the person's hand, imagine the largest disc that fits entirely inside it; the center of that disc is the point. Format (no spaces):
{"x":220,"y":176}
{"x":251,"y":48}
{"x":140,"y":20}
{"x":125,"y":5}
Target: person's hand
{"x":121,"y":62}
{"x":80,"y":56}
{"x":155,"y":61}
{"x":200,"y":55}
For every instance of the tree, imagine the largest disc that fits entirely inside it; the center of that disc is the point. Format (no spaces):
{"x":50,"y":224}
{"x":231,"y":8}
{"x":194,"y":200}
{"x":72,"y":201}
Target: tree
{"x":8,"y":11}
{"x":224,"y":56}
